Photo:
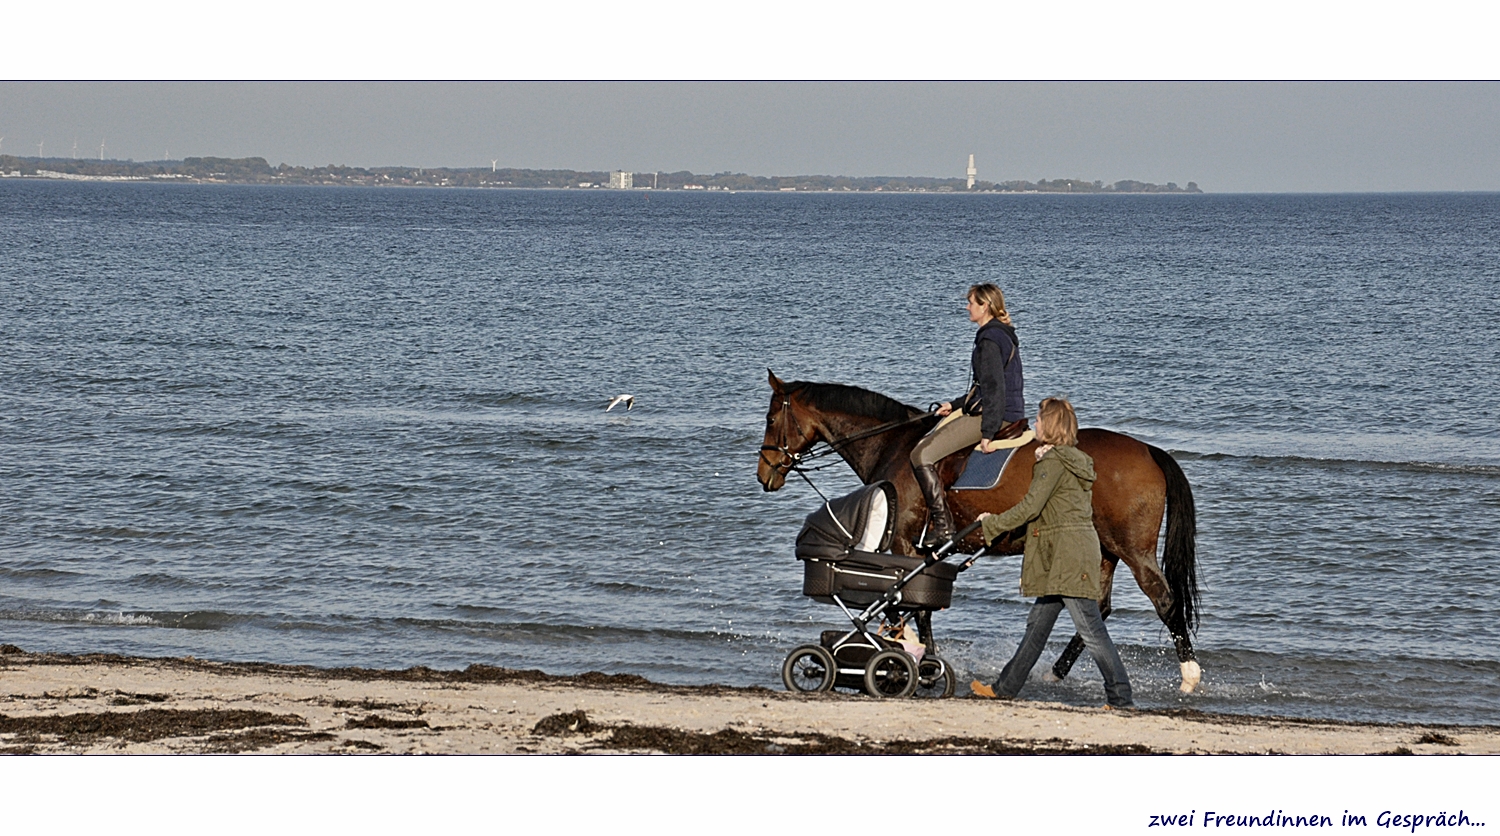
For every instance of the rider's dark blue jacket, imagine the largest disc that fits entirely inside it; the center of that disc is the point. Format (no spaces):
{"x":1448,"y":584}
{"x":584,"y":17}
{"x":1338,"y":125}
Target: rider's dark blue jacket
{"x":996,"y":365}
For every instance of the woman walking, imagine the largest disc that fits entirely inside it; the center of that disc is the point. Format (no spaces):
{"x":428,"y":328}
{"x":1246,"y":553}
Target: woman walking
{"x":993,"y":409}
{"x":1061,"y":563}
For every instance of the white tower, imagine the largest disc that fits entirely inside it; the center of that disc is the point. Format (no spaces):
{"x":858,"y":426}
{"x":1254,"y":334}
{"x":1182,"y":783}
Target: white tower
{"x":973,"y":172}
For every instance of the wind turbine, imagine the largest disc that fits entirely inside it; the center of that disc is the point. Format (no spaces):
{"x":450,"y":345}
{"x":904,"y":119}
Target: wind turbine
{"x":75,"y":147}
{"x":2,"y":142}
{"x":101,"y":149}
{"x":39,"y":148}
{"x":493,"y":163}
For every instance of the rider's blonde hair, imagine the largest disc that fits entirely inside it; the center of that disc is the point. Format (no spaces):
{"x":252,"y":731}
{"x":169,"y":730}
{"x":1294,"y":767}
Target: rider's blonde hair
{"x":992,"y":298}
{"x":1056,"y":422}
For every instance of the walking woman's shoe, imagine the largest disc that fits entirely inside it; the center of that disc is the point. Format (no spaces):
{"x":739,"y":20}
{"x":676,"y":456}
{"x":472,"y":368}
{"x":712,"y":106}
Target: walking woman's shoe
{"x":986,"y":692}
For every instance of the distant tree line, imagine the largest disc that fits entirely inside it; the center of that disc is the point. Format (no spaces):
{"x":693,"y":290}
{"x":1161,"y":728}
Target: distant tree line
{"x":1083,"y":186}
{"x":257,"y":170}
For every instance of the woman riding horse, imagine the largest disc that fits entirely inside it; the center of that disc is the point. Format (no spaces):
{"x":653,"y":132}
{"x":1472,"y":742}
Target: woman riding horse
{"x":993,"y":409}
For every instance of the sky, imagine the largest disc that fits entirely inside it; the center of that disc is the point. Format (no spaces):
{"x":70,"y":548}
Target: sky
{"x":1198,"y":122}
{"x":1226,"y":136}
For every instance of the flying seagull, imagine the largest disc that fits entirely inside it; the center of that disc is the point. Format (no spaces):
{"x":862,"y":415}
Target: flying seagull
{"x":628,"y":400}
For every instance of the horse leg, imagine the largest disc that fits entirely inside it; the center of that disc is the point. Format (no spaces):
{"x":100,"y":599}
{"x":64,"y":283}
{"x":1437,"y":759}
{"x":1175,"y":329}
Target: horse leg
{"x":1151,"y":580}
{"x":1070,"y":654}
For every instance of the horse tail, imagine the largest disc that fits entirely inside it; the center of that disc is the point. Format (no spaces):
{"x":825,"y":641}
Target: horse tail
{"x":1179,"y":556}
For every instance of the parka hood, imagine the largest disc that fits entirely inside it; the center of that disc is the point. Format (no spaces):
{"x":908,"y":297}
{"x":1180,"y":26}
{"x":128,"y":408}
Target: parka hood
{"x":1076,"y":461}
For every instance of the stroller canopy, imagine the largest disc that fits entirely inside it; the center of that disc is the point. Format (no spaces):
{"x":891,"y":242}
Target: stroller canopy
{"x":861,"y":521}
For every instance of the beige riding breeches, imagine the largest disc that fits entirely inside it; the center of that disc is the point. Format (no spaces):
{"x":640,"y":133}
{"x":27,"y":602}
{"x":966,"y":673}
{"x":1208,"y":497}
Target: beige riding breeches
{"x":955,"y":432}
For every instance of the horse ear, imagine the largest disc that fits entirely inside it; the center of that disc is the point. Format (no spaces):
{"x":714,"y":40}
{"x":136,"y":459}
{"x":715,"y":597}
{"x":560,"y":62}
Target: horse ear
{"x":776,"y":384}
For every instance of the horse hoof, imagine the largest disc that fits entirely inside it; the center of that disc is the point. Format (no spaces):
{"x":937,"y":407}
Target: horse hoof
{"x":1191,"y":676}
{"x":1051,"y":676}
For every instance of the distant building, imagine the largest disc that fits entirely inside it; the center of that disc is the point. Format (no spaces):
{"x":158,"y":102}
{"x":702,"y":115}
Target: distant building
{"x":621,"y":180}
{"x":973,"y":172}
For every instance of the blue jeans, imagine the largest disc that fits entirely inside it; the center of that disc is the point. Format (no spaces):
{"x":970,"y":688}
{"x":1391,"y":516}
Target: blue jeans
{"x":1090,"y":625}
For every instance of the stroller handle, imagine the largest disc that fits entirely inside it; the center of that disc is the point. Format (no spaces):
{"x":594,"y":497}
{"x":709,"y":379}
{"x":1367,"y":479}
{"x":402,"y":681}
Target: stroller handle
{"x":893,"y":594}
{"x":958,"y":538}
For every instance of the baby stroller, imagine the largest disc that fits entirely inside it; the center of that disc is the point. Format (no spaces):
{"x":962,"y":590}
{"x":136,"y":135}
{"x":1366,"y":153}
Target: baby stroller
{"x":842,"y":548}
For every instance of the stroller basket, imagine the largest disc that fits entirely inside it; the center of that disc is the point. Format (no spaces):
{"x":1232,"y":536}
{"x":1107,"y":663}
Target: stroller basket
{"x":862,"y":577}
{"x":840,"y":545}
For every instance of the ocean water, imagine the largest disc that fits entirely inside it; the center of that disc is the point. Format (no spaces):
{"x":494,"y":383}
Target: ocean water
{"x":367,"y":427}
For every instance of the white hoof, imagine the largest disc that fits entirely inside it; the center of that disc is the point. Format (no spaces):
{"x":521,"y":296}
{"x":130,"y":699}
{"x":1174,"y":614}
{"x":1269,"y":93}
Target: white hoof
{"x":1049,"y":676}
{"x":1191,"y":675}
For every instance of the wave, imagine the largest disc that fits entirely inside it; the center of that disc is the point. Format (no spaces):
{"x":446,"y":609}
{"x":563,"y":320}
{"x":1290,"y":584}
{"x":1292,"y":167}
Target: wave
{"x":41,"y":574}
{"x":1353,"y":665}
{"x":128,"y":533}
{"x":505,"y":399}
{"x":525,"y":632}
{"x":188,"y":620}
{"x":1335,"y":461}
{"x":541,"y":632}
{"x":164,"y":580}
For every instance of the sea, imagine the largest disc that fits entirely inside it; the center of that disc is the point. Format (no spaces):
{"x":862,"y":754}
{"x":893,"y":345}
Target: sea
{"x":367,"y":427}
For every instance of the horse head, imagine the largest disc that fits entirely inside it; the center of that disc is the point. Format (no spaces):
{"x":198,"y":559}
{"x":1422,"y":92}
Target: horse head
{"x":787,"y":435}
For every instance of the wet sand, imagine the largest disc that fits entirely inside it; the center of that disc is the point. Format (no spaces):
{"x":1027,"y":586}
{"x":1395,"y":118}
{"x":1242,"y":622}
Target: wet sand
{"x":117,"y":704}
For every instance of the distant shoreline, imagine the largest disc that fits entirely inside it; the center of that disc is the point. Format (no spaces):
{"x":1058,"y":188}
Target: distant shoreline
{"x":256,"y":171}
{"x":642,"y":191}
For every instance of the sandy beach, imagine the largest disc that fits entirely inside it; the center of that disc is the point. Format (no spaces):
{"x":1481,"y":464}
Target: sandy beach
{"x":52,"y":703}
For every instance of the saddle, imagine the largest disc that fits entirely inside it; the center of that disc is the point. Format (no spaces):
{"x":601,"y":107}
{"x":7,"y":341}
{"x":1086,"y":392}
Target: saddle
{"x":982,"y":471}
{"x":1014,"y":429}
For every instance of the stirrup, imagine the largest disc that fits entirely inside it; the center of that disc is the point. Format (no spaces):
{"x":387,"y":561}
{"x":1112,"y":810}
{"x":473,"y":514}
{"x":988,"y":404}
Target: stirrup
{"x":926,"y":545}
{"x":920,"y":543}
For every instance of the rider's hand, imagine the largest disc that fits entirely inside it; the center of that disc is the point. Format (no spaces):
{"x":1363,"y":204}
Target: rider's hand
{"x":944,"y":409}
{"x":987,"y":445}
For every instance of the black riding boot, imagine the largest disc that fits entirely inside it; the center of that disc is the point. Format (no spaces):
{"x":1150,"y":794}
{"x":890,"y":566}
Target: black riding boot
{"x":939,"y":520}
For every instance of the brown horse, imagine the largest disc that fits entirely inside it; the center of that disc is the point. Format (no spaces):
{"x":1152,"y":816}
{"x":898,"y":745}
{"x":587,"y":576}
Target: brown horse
{"x":1137,"y":485}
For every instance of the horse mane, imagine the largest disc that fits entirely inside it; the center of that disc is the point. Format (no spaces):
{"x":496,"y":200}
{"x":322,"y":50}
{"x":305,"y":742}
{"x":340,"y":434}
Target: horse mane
{"x":852,"y":400}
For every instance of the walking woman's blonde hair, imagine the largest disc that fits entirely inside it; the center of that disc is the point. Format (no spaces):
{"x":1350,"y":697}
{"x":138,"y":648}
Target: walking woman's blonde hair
{"x":990,"y":296}
{"x":1057,"y":423}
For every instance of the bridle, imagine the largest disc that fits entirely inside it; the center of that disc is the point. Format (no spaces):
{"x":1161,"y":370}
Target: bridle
{"x":790,"y":459}
{"x":793,"y":462}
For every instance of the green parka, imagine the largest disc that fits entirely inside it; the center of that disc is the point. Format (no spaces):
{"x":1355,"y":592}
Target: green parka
{"x":1062,"y":549}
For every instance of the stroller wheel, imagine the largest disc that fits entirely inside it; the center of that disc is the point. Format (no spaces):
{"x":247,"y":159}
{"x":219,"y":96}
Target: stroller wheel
{"x":935,"y":678}
{"x":890,"y":674}
{"x":809,"y":669}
